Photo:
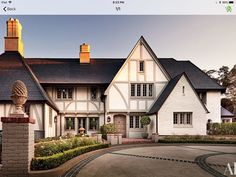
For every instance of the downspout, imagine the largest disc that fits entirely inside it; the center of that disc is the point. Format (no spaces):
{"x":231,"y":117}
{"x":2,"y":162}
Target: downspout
{"x":157,"y":123}
{"x":60,"y":125}
{"x":43,"y":119}
{"x":103,"y":98}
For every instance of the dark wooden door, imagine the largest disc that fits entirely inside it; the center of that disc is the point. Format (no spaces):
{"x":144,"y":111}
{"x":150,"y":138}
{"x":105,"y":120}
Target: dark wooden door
{"x":120,"y":123}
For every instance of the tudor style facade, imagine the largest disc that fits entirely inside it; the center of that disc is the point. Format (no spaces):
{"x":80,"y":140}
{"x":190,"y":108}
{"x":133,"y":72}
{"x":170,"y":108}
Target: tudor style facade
{"x":178,"y":96}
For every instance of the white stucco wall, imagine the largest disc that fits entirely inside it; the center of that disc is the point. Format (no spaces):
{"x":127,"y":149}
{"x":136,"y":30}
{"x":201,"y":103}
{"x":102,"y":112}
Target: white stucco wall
{"x":214,"y":106}
{"x":49,"y":130}
{"x":36,"y":112}
{"x":118,"y":93}
{"x":81,"y":102}
{"x":177,"y":102}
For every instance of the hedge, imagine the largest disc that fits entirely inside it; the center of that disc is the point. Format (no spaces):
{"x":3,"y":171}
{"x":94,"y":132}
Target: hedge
{"x":49,"y":148}
{"x":222,"y":128}
{"x":197,"y":141}
{"x":49,"y":162}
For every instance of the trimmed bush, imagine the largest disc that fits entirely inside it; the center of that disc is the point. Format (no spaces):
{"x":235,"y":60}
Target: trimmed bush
{"x":222,"y":129}
{"x":49,"y":162}
{"x":145,"y":120}
{"x":107,"y":128}
{"x":57,"y":146}
{"x":198,"y":141}
{"x":195,"y":139}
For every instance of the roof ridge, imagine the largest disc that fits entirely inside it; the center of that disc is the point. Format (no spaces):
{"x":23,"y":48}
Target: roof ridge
{"x":35,"y":79}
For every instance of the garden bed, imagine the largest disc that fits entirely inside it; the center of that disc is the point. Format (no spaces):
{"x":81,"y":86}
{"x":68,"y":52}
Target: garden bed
{"x":53,"y":153}
{"x":49,"y":162}
{"x":198,"y":139}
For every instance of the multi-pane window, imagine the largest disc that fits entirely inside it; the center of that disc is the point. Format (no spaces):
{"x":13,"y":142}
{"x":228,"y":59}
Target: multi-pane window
{"x":150,"y":90}
{"x":175,"y":118}
{"x":141,"y":66}
{"x":188,"y":119}
{"x":144,"y":90}
{"x":131,"y":122}
{"x":138,"y":89}
{"x":94,"y":91}
{"x":132,"y":90}
{"x":182,"y":118}
{"x":93,"y":123}
{"x":134,"y":122}
{"x":64,"y":93}
{"x":70,"y":123}
{"x":141,"y":90}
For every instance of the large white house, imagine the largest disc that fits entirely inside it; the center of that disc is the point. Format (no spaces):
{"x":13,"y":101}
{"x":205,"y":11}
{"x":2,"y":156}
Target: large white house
{"x":179,"y":98}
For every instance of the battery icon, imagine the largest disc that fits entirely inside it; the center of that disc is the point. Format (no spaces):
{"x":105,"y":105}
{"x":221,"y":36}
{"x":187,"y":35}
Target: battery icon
{"x":231,"y":2}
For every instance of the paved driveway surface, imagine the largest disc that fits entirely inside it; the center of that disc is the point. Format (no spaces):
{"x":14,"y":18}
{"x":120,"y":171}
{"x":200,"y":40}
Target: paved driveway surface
{"x":160,"y":161}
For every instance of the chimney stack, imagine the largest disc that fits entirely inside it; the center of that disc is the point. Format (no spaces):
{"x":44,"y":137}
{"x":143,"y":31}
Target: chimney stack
{"x":84,"y":53}
{"x":13,"y":40}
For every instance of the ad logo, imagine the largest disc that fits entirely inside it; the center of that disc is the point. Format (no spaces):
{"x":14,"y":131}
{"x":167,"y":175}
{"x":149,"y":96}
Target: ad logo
{"x":229,"y":170}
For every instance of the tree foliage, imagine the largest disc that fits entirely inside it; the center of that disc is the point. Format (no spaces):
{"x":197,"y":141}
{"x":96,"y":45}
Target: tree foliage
{"x":227,"y":78}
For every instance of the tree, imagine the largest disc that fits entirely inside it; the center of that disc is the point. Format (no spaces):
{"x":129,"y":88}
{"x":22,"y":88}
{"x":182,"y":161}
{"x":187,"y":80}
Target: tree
{"x":223,"y":76}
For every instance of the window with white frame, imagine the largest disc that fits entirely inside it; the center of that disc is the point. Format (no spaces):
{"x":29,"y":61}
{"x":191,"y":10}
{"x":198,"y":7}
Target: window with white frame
{"x":93,"y":123}
{"x":141,"y":66}
{"x":64,"y":93}
{"x":182,"y":118}
{"x":134,"y":122}
{"x":141,"y":90}
{"x":94,"y":93}
{"x":70,"y":123}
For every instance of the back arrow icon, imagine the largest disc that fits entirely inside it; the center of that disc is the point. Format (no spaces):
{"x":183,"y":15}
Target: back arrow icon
{"x":5,"y":9}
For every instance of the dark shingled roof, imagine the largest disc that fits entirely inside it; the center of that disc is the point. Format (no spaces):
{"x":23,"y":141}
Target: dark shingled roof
{"x":59,"y":71}
{"x":13,"y":67}
{"x":198,"y":78}
{"x":226,"y":113}
{"x":166,"y":92}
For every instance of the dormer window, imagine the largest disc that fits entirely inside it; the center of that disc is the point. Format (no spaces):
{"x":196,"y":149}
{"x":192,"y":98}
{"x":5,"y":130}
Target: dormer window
{"x":94,"y":91}
{"x":141,"y":66}
{"x":64,"y":93}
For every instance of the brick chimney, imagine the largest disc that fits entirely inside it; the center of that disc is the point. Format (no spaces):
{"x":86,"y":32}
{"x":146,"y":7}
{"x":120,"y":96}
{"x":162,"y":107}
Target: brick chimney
{"x":13,"y":40}
{"x":84,"y":53}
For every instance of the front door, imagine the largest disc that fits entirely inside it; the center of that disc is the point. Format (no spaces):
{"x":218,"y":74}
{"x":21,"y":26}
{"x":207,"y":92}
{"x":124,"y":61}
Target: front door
{"x":120,"y":124}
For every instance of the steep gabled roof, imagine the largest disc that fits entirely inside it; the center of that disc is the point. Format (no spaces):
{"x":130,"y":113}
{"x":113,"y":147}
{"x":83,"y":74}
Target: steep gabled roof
{"x":71,"y":71}
{"x":167,"y":91}
{"x":226,"y":113}
{"x":198,"y":78}
{"x":13,"y":67}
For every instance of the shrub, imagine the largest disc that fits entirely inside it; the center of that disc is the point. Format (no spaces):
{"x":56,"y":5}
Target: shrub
{"x":57,"y":146}
{"x":107,"y":128}
{"x":195,"y":139}
{"x":222,"y":129}
{"x":49,"y":162}
{"x":145,"y":120}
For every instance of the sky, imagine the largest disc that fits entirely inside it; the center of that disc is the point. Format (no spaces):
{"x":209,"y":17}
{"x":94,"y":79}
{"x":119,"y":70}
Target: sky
{"x":207,"y":41}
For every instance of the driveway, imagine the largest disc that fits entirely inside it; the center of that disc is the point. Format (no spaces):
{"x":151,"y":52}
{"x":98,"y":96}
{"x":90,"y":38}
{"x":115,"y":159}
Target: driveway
{"x":159,"y":161}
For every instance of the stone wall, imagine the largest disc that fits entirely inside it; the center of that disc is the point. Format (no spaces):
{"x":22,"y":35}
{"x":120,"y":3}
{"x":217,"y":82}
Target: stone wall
{"x":17,"y":146}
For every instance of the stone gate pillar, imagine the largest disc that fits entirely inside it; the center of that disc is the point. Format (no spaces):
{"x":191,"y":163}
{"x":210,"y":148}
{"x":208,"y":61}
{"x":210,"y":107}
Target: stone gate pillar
{"x":17,"y":137}
{"x":17,"y":146}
